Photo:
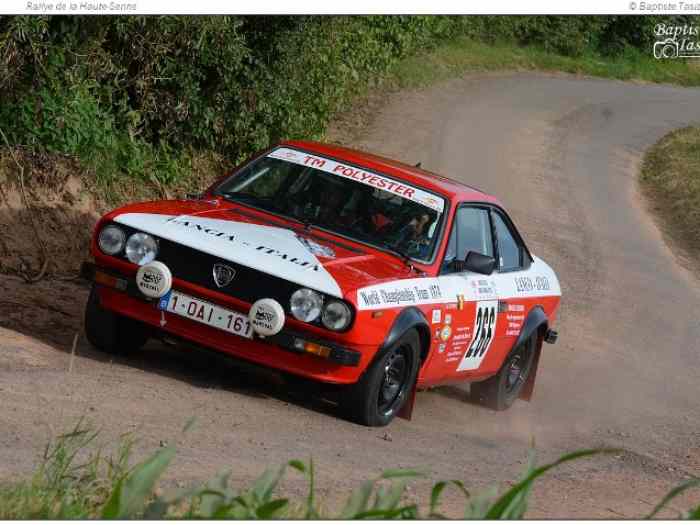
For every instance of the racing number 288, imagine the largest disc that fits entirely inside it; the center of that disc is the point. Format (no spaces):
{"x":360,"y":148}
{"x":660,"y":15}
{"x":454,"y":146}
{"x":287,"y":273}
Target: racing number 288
{"x":485,"y":320}
{"x":484,"y":333}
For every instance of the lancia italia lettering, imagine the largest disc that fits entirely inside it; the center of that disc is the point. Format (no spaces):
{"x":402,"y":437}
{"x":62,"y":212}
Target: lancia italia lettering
{"x":372,"y":277}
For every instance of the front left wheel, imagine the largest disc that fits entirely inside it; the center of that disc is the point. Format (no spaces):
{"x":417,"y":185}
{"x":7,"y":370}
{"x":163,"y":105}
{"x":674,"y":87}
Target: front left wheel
{"x":386,"y":384}
{"x":111,"y":332}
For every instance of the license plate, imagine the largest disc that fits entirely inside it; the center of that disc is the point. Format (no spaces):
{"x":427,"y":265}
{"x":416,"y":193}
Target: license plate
{"x":206,"y":313}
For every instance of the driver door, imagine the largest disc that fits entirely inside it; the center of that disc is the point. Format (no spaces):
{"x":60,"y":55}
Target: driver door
{"x":472,"y":321}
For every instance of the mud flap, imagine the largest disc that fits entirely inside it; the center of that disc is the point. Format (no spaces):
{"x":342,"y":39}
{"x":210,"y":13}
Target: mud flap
{"x":407,"y":408}
{"x":529,"y":386}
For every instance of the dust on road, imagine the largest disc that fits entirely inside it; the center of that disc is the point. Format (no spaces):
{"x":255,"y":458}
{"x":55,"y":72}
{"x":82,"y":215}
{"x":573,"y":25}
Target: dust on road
{"x":562,"y":153}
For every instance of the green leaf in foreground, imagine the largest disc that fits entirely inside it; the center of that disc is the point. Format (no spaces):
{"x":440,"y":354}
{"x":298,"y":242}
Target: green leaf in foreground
{"x":130,"y":494}
{"x":676,"y":491}
{"x":511,"y":504}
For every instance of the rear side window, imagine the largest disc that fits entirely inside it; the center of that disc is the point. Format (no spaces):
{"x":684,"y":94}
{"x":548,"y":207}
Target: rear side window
{"x":471,"y":232}
{"x":510,"y":252}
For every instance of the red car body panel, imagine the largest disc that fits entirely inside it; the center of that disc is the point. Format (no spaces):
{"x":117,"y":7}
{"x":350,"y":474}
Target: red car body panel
{"x":367,"y":269}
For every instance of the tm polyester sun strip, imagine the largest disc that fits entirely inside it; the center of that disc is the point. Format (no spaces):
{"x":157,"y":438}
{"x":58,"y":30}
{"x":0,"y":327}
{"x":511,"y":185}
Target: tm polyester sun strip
{"x":363,"y":176}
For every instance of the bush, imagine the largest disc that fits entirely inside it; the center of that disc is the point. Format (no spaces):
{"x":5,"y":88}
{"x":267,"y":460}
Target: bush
{"x":123,"y":93}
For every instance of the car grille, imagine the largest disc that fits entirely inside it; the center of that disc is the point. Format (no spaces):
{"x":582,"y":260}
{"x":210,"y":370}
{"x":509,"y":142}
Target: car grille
{"x":197,"y":267}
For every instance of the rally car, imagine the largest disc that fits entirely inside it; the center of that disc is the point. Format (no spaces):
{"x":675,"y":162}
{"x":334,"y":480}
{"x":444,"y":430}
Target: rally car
{"x":337,"y":266}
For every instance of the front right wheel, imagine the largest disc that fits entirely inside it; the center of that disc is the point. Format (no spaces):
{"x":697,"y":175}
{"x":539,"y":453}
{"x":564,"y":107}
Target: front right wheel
{"x":386,"y":384}
{"x":110,"y":332}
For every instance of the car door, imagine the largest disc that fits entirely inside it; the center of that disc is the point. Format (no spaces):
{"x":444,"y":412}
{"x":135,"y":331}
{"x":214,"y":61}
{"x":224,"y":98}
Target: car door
{"x":469,"y":326}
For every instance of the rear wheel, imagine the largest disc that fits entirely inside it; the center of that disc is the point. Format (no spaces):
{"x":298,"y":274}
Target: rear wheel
{"x":386,"y":384}
{"x":110,"y":332}
{"x":500,"y":391}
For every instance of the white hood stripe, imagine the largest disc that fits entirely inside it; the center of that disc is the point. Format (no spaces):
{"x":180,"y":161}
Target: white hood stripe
{"x":273,"y":250}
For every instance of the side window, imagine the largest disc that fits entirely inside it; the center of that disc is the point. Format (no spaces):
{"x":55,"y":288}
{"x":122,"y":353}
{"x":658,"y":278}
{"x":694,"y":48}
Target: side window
{"x":510,"y":253}
{"x":471,"y":231}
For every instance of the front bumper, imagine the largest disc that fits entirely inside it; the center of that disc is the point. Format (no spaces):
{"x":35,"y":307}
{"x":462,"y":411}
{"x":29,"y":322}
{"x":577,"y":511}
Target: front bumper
{"x":341,"y":364}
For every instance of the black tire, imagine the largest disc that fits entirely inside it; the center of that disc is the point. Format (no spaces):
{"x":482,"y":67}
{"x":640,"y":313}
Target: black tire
{"x":500,"y":391}
{"x":110,"y":332}
{"x":386,"y":384}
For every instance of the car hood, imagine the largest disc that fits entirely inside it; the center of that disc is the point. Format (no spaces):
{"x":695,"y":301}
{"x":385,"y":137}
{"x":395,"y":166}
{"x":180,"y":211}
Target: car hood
{"x":334,"y":266}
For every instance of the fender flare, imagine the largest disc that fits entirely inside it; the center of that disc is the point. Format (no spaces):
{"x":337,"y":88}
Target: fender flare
{"x":410,"y":317}
{"x":535,"y":319}
{"x":535,"y":323}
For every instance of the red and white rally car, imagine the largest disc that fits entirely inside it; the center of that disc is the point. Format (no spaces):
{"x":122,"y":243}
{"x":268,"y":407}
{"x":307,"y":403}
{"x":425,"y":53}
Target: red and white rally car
{"x":337,"y":266}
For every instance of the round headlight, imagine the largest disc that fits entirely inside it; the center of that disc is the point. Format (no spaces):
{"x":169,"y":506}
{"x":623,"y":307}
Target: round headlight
{"x":336,"y":316}
{"x":111,"y":240}
{"x":306,"y":305}
{"x":141,"y":248}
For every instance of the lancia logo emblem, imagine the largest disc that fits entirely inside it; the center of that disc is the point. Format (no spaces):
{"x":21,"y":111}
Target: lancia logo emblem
{"x":223,"y":274}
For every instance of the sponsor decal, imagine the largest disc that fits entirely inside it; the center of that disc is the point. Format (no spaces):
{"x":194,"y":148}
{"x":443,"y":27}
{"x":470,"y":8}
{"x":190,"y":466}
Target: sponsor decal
{"x":317,"y":249}
{"x":154,"y":279}
{"x":441,"y":348}
{"x":437,"y":315}
{"x":262,"y":248}
{"x":266,"y":316}
{"x":484,"y":333}
{"x":400,"y":293}
{"x":448,"y":318}
{"x":360,"y":175}
{"x":223,"y":274}
{"x":538,"y":283}
{"x":445,"y":332}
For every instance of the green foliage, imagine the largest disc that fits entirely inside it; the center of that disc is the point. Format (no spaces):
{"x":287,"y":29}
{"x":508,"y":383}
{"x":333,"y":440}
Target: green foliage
{"x":670,"y":177}
{"x":139,"y":96}
{"x":73,"y":481}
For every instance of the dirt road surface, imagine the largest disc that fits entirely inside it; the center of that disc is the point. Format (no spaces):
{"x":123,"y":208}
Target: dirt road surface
{"x":563,"y":154}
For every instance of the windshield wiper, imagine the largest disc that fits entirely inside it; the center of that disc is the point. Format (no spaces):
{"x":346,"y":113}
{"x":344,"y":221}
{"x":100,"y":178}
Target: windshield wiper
{"x":394,"y":250}
{"x":239,"y":196}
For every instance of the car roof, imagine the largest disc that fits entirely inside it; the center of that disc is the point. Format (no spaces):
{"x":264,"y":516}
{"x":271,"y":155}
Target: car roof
{"x":428,"y":180}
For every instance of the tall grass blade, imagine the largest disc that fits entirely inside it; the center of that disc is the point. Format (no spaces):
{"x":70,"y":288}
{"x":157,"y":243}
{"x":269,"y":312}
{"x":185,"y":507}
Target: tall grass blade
{"x":358,"y":501}
{"x":266,"y":484}
{"x":214,"y":496}
{"x":402,"y":473}
{"x":509,"y":504}
{"x":437,"y":491}
{"x":190,"y":423}
{"x":130,"y":494}
{"x":385,"y":514}
{"x":695,"y":482}
{"x":311,"y":512}
{"x":270,"y":509}
{"x":389,"y":499}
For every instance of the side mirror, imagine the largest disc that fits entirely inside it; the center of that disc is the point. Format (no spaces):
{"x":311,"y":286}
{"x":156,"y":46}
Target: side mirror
{"x":479,"y":263}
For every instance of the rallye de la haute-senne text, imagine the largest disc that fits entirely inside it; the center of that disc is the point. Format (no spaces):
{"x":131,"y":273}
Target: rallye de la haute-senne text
{"x":366,"y":275}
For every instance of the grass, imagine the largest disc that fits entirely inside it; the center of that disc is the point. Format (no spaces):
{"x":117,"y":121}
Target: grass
{"x":77,"y":479}
{"x":670,"y":178}
{"x":464,"y":56}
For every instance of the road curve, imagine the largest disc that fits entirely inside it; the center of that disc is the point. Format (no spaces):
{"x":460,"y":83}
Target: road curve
{"x":563,"y":155}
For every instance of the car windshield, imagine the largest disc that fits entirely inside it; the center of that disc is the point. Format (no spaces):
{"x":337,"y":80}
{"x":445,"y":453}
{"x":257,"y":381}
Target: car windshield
{"x":343,"y":199}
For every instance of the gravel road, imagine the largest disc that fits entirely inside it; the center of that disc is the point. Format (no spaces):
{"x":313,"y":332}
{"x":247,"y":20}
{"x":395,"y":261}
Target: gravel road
{"x":563,"y":154}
